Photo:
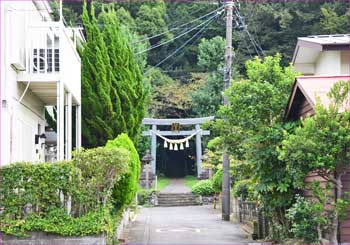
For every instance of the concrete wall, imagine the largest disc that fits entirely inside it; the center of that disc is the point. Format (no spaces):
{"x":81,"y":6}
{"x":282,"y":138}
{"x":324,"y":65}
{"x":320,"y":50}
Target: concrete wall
{"x":45,"y":238}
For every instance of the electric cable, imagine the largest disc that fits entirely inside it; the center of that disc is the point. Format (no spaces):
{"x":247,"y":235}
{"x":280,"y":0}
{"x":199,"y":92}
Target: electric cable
{"x":185,"y":24}
{"x":182,"y":34}
{"x":168,"y":67}
{"x":182,"y":46}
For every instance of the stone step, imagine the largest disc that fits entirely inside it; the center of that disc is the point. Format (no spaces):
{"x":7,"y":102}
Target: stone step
{"x":178,"y":199}
{"x":178,"y":195}
{"x":178,"y":204}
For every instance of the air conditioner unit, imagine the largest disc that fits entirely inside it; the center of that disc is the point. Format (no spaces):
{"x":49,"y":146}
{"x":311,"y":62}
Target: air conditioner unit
{"x":42,"y":59}
{"x":18,"y":60}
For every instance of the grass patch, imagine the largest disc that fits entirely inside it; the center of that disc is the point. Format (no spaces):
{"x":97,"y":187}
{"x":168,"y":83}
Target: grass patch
{"x":190,"y":181}
{"x":162,"y":182}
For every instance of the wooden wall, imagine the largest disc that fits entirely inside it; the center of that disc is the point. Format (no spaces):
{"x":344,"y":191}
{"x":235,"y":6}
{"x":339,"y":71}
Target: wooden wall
{"x":345,"y":225}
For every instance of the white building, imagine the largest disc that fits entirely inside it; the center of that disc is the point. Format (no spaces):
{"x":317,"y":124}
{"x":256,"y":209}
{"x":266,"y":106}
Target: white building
{"x":323,"y":55}
{"x":40,"y":67}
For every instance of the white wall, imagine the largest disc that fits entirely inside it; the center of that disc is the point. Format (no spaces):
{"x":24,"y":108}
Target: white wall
{"x":328,"y":63}
{"x":19,"y":121}
{"x":345,"y":63}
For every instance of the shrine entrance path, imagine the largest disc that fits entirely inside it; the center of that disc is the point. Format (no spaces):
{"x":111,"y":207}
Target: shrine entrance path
{"x":176,"y":186}
{"x":183,"y":225}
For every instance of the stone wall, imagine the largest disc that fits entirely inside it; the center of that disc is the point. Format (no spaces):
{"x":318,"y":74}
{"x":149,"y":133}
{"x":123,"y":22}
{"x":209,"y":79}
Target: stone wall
{"x":46,"y":238}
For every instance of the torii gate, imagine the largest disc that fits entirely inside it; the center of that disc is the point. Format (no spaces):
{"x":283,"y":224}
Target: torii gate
{"x":176,"y":131}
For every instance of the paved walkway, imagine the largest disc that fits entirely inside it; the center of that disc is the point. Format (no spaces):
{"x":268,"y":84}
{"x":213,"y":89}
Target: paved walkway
{"x":176,"y":186}
{"x":183,"y":225}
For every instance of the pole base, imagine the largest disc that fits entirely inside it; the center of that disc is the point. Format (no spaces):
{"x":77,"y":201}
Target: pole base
{"x":225,"y":217}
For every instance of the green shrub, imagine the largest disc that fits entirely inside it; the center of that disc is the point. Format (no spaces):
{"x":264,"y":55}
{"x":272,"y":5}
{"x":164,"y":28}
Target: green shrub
{"x":144,"y":195}
{"x":101,"y":169}
{"x":217,"y":181}
{"x":59,"y":222}
{"x":203,"y":187}
{"x":243,"y":189}
{"x":36,"y":184}
{"x":304,"y":220}
{"x":125,"y":190}
{"x":36,"y":197}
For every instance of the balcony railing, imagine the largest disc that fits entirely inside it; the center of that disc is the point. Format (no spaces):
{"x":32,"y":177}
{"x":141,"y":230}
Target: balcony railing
{"x":47,"y":46}
{"x":50,"y":55}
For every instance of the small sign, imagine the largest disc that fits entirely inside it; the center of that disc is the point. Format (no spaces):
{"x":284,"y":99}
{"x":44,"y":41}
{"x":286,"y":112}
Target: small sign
{"x":175,"y":127}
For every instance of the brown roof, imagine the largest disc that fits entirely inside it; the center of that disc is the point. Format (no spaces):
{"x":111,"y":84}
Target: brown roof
{"x":313,"y":88}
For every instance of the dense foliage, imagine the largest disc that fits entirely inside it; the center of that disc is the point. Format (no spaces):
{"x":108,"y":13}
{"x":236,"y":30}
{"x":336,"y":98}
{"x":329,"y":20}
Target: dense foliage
{"x":270,"y":25}
{"x":125,"y":190}
{"x":114,"y":97}
{"x":66,"y":198}
{"x":203,"y":187}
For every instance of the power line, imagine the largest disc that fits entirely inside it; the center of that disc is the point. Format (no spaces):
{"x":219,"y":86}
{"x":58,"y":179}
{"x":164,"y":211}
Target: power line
{"x":183,"y":45}
{"x":182,"y":34}
{"x":256,"y":46}
{"x":168,"y":67}
{"x":172,"y":29}
{"x":179,"y":20}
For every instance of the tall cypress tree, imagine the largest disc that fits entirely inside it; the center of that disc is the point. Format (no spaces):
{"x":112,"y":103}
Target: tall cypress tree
{"x":113,"y":97}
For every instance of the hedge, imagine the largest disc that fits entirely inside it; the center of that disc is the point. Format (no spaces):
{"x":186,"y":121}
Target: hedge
{"x":125,"y":190}
{"x":66,"y":198}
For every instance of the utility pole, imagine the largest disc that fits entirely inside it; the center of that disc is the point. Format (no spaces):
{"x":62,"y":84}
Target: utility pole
{"x":226,"y":185}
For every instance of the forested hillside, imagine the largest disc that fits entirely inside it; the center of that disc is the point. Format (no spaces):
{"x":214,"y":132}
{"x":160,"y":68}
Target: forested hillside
{"x":172,"y":41}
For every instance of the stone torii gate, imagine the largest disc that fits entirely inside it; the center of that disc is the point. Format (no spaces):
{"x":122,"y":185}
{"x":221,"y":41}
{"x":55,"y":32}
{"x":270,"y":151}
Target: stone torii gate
{"x":176,"y":131}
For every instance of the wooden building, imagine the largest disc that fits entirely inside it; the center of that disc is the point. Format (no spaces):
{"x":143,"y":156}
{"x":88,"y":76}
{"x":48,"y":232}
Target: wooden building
{"x":324,"y":61}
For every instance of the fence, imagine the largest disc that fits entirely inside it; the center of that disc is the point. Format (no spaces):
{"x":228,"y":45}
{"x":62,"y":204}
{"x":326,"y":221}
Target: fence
{"x":250,"y":213}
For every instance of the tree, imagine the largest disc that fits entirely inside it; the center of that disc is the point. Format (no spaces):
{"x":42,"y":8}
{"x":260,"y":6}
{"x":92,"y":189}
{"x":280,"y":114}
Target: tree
{"x":254,"y":130}
{"x":137,"y":42}
{"x":208,"y":98}
{"x":260,"y":100}
{"x":334,"y":19}
{"x":172,"y":98}
{"x":112,"y":88}
{"x":322,"y":145}
{"x":211,"y":53}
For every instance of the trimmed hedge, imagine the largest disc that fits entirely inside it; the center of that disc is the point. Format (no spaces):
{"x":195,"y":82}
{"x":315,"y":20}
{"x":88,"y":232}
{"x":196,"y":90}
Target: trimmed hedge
{"x":66,"y":198}
{"x":125,"y":190}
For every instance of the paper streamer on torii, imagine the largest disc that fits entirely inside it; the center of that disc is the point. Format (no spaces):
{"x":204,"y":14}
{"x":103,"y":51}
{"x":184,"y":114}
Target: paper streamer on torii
{"x":173,"y":143}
